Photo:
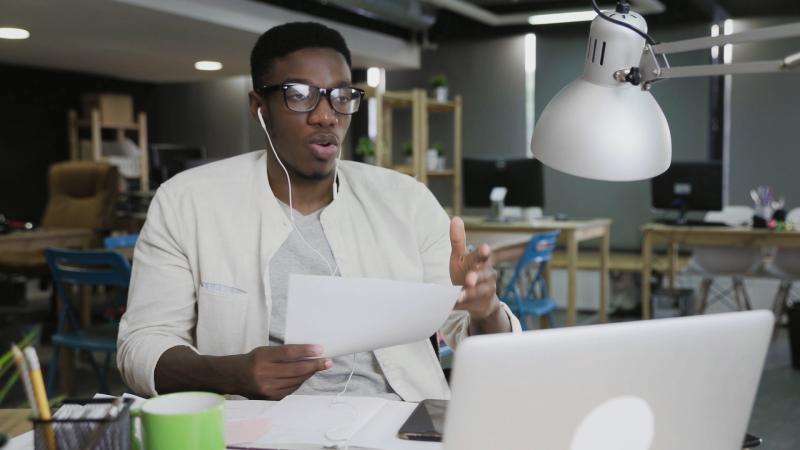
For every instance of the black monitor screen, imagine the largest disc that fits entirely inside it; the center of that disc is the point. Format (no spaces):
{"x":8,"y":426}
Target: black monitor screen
{"x":689,"y":186}
{"x":166,"y":160}
{"x":522,"y":177}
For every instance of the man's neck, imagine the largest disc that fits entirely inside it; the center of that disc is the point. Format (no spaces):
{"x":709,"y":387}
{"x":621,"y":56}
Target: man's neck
{"x":308,"y":195}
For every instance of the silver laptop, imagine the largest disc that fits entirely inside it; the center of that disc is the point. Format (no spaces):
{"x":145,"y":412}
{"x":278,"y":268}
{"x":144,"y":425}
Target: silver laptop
{"x":684,"y":383}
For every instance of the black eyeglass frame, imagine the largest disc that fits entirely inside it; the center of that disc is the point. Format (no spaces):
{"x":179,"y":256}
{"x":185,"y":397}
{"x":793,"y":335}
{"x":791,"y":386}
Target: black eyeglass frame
{"x":323,"y":92}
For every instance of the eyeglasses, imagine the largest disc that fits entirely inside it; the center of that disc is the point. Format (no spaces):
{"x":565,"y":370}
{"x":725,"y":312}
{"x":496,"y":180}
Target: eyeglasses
{"x":304,"y":98}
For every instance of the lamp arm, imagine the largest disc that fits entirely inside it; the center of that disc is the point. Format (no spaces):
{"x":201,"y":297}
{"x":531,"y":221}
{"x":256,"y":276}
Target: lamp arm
{"x":761,"y":34}
{"x":710,"y":70}
{"x":654,"y":66}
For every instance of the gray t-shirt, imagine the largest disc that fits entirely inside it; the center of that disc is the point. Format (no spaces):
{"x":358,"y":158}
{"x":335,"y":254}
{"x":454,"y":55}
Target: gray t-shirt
{"x":294,"y":256}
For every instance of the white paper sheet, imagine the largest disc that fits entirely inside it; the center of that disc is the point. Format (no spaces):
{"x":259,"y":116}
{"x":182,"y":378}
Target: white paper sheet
{"x":348,"y":315}
{"x":307,"y":421}
{"x":303,"y":420}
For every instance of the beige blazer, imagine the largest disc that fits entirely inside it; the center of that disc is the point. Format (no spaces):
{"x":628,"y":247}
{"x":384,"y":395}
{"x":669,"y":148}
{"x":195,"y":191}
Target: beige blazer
{"x":219,"y":225}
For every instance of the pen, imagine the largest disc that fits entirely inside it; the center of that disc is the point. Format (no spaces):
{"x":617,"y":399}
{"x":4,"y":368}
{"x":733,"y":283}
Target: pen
{"x":37,"y":384}
{"x":22,"y":369}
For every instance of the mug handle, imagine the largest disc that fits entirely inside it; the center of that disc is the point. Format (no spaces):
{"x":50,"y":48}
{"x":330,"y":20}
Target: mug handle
{"x":137,"y":440}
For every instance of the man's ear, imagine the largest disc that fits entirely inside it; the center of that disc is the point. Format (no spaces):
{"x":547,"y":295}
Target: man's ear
{"x":255,"y":103}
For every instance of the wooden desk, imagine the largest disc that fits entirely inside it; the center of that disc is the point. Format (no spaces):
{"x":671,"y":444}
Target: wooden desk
{"x":27,"y":241}
{"x":14,"y":422}
{"x":24,"y":243}
{"x":572,"y":233}
{"x":674,"y":235}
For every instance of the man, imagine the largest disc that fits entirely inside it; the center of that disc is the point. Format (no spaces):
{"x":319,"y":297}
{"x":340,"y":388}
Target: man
{"x":207,"y":302}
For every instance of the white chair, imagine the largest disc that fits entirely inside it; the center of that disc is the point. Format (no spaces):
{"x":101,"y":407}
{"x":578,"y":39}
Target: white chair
{"x":735,"y":262}
{"x":785,"y":265}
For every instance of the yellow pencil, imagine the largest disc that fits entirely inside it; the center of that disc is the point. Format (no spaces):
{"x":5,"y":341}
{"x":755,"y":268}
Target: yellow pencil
{"x":22,"y":368}
{"x":37,"y":384}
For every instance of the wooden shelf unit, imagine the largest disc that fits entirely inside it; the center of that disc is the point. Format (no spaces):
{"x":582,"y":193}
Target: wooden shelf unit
{"x":96,"y":126}
{"x":421,"y":106}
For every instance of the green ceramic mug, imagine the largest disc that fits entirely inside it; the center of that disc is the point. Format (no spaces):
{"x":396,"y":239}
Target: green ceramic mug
{"x":184,"y":420}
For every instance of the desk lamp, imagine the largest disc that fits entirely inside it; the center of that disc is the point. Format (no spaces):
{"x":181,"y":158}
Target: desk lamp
{"x":606,"y":125}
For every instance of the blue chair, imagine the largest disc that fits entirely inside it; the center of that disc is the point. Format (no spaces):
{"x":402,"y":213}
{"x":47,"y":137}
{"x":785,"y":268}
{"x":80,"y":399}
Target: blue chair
{"x":119,"y":241}
{"x":86,"y":268}
{"x":526,"y":294}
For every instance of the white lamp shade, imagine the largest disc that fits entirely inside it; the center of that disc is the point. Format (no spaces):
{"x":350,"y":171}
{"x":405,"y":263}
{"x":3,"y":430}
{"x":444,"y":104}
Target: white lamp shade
{"x":602,"y":128}
{"x":602,"y":132}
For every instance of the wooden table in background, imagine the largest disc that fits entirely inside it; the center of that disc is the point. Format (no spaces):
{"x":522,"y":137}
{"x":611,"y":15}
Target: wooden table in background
{"x":507,"y":240}
{"x":26,"y":241}
{"x":14,"y":422}
{"x":675,"y":235}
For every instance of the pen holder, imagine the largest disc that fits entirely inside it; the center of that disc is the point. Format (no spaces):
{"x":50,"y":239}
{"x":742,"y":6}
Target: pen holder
{"x":104,"y":433}
{"x":759,"y":222}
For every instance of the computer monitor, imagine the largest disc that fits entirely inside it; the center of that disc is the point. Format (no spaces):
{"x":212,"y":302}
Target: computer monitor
{"x":166,"y":160}
{"x":689,"y":186}
{"x":522,"y":177}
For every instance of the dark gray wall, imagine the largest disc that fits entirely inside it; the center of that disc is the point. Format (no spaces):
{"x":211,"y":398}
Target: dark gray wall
{"x":487,"y":74}
{"x":212,"y":113}
{"x":765,"y":149}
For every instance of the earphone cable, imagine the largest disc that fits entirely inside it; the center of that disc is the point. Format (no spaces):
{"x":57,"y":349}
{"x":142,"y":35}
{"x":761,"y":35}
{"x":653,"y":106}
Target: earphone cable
{"x":331,"y":269}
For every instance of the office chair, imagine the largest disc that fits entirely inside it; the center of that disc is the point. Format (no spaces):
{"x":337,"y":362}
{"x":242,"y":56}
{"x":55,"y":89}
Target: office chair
{"x":527,"y":294}
{"x":86,"y":268}
{"x":735,"y":262}
{"x":82,"y":194}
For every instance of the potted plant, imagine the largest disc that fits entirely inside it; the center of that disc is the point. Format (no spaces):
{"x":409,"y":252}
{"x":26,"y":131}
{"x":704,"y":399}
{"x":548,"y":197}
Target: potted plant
{"x":366,"y":149}
{"x":432,"y":157}
{"x":408,"y":153}
{"x":441,"y":160}
{"x":439,"y":84}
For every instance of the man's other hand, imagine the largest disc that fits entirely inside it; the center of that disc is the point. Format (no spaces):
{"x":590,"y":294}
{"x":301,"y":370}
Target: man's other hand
{"x":474,"y":271}
{"x":276,"y":371}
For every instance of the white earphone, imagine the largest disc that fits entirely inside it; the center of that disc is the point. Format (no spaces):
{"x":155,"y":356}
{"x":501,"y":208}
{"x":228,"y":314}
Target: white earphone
{"x":332,"y":269}
{"x":339,"y":436}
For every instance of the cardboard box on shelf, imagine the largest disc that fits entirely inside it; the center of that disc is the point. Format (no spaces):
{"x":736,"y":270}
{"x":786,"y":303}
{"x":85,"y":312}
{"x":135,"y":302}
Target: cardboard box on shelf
{"x":114,"y":108}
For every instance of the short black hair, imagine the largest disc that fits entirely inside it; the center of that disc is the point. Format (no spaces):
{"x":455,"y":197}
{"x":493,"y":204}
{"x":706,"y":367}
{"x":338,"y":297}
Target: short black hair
{"x":287,"y":38}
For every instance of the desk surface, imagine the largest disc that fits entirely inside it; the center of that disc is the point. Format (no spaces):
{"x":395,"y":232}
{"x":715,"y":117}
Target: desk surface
{"x":45,"y":233}
{"x":46,"y":237}
{"x":238,"y":420}
{"x":741,"y":236}
{"x":14,"y":422}
{"x":482,"y":224}
{"x":663,"y":228}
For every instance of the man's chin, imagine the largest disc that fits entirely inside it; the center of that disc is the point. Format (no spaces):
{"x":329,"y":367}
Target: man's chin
{"x":317,"y":174}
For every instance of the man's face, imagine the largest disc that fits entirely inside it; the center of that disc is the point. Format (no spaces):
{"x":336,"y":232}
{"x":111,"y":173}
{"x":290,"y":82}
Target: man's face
{"x":307,"y":142}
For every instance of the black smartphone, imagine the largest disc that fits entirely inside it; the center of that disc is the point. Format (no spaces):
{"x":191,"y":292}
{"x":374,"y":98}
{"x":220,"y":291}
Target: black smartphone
{"x":426,"y":422}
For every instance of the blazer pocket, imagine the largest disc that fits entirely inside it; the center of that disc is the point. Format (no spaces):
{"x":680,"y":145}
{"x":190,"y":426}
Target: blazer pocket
{"x":220,"y":288}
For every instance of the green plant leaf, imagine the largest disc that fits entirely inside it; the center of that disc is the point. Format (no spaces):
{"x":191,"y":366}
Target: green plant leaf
{"x":439,"y":80}
{"x":365,"y":146}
